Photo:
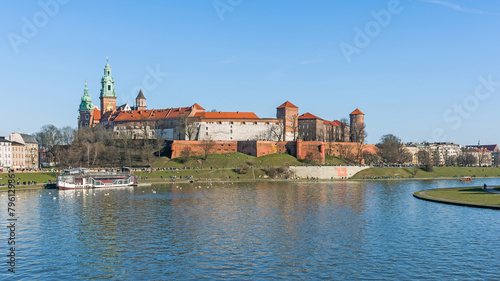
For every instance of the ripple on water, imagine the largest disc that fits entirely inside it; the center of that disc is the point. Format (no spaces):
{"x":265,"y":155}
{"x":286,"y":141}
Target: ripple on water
{"x":270,"y":230}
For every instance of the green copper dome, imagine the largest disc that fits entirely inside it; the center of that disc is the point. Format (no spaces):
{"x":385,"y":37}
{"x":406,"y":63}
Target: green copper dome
{"x":107,"y":83}
{"x":86,"y":103}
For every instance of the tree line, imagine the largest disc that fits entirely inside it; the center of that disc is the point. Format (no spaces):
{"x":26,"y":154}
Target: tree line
{"x":96,"y":147}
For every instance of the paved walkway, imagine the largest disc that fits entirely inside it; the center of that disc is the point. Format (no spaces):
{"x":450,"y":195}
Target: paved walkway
{"x":490,"y":189}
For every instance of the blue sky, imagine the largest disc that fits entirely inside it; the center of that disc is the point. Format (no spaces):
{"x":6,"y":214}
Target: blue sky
{"x":427,"y":70}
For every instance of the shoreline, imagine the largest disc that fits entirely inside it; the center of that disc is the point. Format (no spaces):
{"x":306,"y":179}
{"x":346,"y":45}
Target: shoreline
{"x":422,"y":195}
{"x":225,"y":180}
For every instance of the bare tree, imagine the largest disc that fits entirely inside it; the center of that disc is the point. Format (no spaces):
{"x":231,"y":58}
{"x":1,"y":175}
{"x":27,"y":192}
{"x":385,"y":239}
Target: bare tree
{"x":207,"y":146}
{"x":295,"y":127}
{"x":48,"y":137}
{"x":67,"y":135}
{"x":344,"y":129}
{"x":188,"y":126}
{"x":357,"y":132}
{"x":277,"y":130}
{"x":389,"y":148}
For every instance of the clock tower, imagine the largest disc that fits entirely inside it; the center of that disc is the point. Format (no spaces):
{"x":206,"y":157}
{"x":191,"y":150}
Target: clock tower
{"x":108,"y":94}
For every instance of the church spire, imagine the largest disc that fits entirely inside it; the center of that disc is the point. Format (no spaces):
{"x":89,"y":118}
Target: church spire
{"x":86,"y":103}
{"x":108,"y":94}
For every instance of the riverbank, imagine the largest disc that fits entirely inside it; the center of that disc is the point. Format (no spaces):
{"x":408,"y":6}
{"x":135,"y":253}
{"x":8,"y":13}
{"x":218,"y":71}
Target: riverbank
{"x":462,"y":196}
{"x":417,"y":173}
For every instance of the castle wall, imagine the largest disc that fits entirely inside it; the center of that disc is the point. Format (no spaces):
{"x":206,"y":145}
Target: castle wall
{"x":195,"y":148}
{"x":237,"y":130}
{"x":312,"y":150}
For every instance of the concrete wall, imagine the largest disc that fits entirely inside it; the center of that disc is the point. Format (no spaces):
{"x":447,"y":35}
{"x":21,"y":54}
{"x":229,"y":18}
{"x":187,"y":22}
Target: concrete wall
{"x":326,"y":172}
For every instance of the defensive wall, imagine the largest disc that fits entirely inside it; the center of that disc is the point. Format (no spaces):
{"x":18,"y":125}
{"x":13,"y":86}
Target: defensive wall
{"x":326,"y":172}
{"x":312,"y":150}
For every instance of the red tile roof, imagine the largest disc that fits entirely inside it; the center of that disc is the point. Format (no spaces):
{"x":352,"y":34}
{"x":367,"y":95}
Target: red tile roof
{"x":337,"y":123}
{"x":97,"y":113}
{"x":197,"y":106}
{"x":287,"y":104}
{"x":227,"y":115}
{"x":309,"y":116}
{"x":357,"y":112}
{"x":490,"y":147}
{"x":332,"y":123}
{"x":154,"y":114}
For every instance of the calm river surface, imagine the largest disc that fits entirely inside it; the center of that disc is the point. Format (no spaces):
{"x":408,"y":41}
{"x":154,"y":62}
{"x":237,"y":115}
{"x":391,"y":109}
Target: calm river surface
{"x":361,"y":230}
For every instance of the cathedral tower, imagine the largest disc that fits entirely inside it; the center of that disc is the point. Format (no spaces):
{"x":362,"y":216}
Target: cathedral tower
{"x":108,"y":95}
{"x":140,"y":101}
{"x":86,"y":109}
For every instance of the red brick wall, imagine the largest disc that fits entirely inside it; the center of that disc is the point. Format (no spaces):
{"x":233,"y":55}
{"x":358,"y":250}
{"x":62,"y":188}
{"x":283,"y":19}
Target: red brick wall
{"x":261,"y":148}
{"x":198,"y":147}
{"x":313,"y":150}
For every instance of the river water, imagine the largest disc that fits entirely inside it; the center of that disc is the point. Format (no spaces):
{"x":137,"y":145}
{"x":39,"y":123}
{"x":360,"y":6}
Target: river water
{"x":360,"y":230}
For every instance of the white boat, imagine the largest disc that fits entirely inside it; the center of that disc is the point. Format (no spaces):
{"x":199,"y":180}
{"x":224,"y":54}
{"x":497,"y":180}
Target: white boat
{"x":82,"y":178}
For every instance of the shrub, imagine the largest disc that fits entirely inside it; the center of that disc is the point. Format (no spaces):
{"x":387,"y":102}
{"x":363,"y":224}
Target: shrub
{"x":243,"y":169}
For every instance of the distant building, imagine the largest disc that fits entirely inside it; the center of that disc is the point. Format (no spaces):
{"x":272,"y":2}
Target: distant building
{"x":5,"y":154}
{"x":24,"y":151}
{"x":440,"y":153}
{"x":492,"y":148}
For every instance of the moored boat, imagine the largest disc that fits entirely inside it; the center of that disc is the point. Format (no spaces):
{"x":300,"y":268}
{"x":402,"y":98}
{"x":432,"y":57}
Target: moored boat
{"x":83,"y":178}
{"x":466,"y":179}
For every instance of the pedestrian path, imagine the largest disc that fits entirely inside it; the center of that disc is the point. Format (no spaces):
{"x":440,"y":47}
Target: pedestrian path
{"x":490,"y":189}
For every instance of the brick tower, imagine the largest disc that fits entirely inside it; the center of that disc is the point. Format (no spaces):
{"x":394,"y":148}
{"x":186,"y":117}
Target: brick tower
{"x":357,"y":119}
{"x":289,"y":113}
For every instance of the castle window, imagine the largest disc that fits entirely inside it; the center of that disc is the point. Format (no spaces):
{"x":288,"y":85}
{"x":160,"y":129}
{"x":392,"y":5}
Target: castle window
{"x":86,"y":117}
{"x":86,"y":124}
{"x":206,"y":133}
{"x":231,"y":131}
{"x":207,"y":128}
{"x":220,"y":122}
{"x":109,"y":87}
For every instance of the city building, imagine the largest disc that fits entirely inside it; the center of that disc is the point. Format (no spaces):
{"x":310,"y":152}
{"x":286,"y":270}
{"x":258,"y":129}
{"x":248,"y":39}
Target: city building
{"x":5,"y":154}
{"x":492,"y":148}
{"x":24,"y":151}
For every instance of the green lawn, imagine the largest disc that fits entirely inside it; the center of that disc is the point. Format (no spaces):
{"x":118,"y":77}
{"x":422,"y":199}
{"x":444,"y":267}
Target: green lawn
{"x":439,"y":172}
{"x":332,"y":160}
{"x":473,"y":196}
{"x":40,"y":178}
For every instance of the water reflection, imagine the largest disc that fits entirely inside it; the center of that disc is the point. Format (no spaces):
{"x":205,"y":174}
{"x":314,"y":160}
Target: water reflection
{"x":263,"y":230}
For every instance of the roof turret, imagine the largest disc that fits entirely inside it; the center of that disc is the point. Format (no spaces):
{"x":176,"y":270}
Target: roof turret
{"x":86,"y":103}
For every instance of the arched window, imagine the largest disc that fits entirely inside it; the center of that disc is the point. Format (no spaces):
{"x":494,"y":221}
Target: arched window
{"x":109,"y":87}
{"x":87,"y":117}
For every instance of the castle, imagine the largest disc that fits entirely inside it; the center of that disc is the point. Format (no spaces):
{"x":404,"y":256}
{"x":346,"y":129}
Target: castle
{"x":193,"y":123}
